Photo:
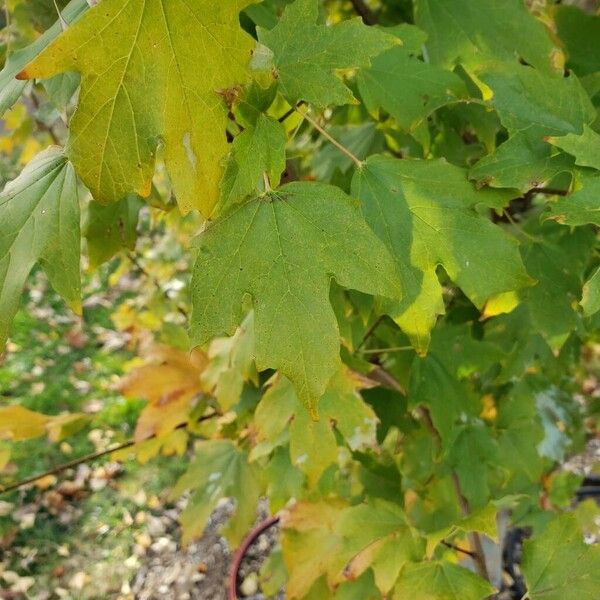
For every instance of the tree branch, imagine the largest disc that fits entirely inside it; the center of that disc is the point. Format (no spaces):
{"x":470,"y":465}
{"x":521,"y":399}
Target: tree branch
{"x":326,"y":135}
{"x":474,"y":539}
{"x":367,"y":15}
{"x":89,"y":457}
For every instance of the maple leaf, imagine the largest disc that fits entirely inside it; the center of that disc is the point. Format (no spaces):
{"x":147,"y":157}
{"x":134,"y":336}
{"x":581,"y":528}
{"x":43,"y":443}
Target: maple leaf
{"x":590,"y":300}
{"x":313,"y":444}
{"x":441,"y":580}
{"x":169,"y":381}
{"x":257,"y":150}
{"x":567,"y":570}
{"x":425,"y":213}
{"x":584,"y":147}
{"x":39,"y":212}
{"x":408,"y":88}
{"x":305,"y":54}
{"x":219,"y":470}
{"x":282,"y":249}
{"x":143,"y":81}
{"x":467,"y":32}
{"x":377,"y":535}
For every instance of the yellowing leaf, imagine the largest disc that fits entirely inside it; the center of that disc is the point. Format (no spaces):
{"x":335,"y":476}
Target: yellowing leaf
{"x":169,"y":381}
{"x":151,"y":70}
{"x":313,"y":445}
{"x":19,"y":423}
{"x":311,"y":544}
{"x":230,"y":364}
{"x":378,"y":536}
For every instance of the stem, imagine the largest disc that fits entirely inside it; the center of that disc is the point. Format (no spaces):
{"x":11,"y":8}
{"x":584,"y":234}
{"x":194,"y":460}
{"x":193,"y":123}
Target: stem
{"x":63,"y":23}
{"x":370,"y":332}
{"x":290,"y":112}
{"x":266,"y":182}
{"x":459,"y":549}
{"x":337,"y":144}
{"x":89,"y":457}
{"x":368,"y":16}
{"x":241,"y":552}
{"x":391,"y":349}
{"x":474,"y":538}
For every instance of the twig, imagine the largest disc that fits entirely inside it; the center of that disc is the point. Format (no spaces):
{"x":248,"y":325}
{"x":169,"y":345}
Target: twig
{"x":390,"y":349}
{"x":459,"y":549}
{"x":380,"y":375}
{"x":89,"y":457}
{"x":290,"y":112}
{"x":370,"y":332}
{"x":474,"y":539}
{"x":368,"y":16}
{"x":241,"y":552}
{"x":63,"y":23}
{"x":337,"y":144}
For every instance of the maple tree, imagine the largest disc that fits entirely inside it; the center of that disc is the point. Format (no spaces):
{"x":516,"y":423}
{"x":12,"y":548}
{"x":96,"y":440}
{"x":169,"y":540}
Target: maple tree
{"x":393,"y":223}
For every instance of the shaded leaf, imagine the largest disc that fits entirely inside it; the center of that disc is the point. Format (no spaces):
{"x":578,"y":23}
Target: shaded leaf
{"x":109,"y":229}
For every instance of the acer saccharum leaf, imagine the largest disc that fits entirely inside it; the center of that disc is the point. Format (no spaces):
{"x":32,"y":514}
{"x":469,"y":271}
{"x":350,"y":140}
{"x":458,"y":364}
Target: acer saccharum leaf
{"x":384,"y":216}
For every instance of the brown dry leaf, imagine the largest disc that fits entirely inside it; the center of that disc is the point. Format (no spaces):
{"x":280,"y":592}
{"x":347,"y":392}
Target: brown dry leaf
{"x":169,"y":381}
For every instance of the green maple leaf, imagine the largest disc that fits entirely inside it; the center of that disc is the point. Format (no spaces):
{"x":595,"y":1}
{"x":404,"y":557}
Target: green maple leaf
{"x":408,"y":88}
{"x":558,"y":565}
{"x":282,"y":249}
{"x":537,"y":102}
{"x":523,"y":162}
{"x":580,"y":33}
{"x":257,"y":150}
{"x":581,"y":207}
{"x":483,"y":521}
{"x":219,"y":470}
{"x":305,"y":55}
{"x":39,"y":212}
{"x":151,"y":70}
{"x":425,"y":213}
{"x":519,"y":433}
{"x":557,"y":261}
{"x":468,"y":31}
{"x":441,"y":580}
{"x":585,"y":147}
